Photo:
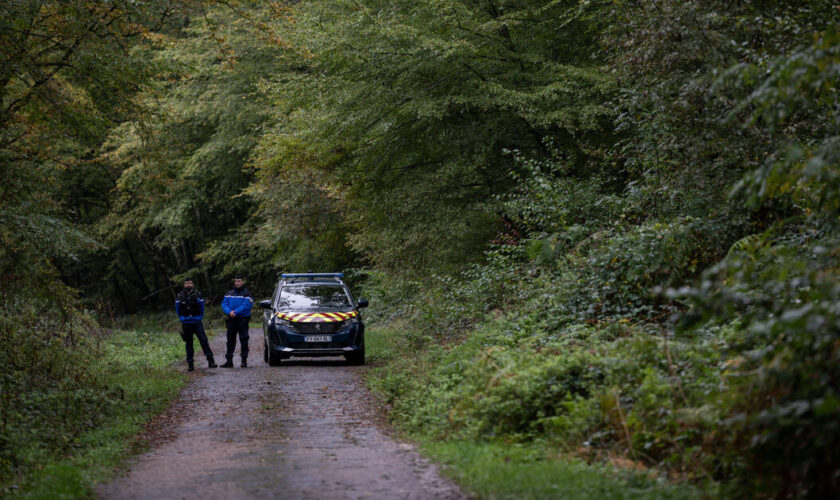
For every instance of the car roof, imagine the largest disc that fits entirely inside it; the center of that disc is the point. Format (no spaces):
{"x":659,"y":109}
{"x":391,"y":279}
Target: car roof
{"x":288,"y":282}
{"x":312,"y":278}
{"x":298,"y":281}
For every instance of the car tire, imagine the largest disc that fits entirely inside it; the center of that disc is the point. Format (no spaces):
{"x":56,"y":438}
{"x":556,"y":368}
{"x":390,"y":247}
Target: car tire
{"x":265,"y":349}
{"x":356,"y":358}
{"x":272,"y":358}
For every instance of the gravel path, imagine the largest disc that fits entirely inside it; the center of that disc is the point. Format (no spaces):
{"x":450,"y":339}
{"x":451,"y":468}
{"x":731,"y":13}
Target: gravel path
{"x":305,"y":429}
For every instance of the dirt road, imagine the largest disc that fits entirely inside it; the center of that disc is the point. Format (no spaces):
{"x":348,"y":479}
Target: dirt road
{"x":303,"y":430}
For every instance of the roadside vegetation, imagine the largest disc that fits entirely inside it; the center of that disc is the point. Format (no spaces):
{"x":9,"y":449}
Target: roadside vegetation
{"x":72,"y":413}
{"x":500,"y":470}
{"x":499,"y":462}
{"x":608,"y":229}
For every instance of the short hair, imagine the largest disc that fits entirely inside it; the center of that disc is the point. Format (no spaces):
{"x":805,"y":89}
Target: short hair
{"x":238,"y":276}
{"x":188,"y":278}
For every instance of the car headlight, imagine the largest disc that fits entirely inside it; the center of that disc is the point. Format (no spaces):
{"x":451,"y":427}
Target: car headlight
{"x":282,"y":322}
{"x":351,"y":321}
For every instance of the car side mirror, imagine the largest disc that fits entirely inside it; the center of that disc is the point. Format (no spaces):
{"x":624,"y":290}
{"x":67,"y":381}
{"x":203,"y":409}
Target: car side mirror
{"x":362,"y":303}
{"x":265,"y":304}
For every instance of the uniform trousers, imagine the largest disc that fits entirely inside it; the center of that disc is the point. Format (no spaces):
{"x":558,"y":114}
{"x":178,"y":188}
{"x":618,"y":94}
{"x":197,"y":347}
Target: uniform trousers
{"x":237,"y":326}
{"x":197,"y":329}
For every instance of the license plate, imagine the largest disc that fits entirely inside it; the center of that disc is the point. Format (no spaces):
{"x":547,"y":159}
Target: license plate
{"x":317,"y":338}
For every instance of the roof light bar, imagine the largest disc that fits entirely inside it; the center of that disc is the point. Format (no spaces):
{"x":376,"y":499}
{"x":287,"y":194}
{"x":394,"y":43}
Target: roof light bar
{"x":313,"y":275}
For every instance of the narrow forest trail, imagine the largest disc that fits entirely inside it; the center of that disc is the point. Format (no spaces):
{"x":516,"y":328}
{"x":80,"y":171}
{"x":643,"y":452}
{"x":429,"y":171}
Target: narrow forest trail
{"x":306,"y":429}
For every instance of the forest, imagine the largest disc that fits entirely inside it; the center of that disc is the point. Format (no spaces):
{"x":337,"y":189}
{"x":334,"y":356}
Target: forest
{"x":611,"y":227}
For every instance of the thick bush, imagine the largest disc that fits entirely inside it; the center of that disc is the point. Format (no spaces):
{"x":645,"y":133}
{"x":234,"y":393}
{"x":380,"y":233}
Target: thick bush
{"x":782,"y":434}
{"x":49,"y":397}
{"x":619,"y":270}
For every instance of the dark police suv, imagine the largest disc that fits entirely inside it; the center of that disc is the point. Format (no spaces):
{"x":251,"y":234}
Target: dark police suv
{"x":313,"y":314}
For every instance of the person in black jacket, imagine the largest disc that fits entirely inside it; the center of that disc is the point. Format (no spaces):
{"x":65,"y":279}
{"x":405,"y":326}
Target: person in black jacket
{"x":237,"y":308}
{"x":189,"y":304}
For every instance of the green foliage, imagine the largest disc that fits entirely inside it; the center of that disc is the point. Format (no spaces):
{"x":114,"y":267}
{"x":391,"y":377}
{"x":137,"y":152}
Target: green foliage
{"x":69,"y":73}
{"x":397,"y":114}
{"x":559,"y":205}
{"x":573,"y":343}
{"x":502,"y":470}
{"x":182,"y":174}
{"x":782,"y":382}
{"x":782,"y":285}
{"x":529,"y":191}
{"x":797,"y":102}
{"x":590,"y":390}
{"x":69,"y":413}
{"x":48,"y":400}
{"x":676,"y":110}
{"x":387,"y":296}
{"x":620,"y":270}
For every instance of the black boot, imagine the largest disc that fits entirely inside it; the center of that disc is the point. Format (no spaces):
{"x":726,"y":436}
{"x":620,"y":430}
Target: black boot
{"x":227,"y":364}
{"x":190,"y":366}
{"x":211,"y":363}
{"x":244,"y":363}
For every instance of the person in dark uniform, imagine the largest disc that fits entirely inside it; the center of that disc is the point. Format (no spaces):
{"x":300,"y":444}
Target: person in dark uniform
{"x":237,"y":307}
{"x":189,"y":304}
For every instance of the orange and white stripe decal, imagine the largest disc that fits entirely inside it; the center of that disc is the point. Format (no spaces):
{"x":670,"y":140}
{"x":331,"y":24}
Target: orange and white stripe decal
{"x":317,"y":317}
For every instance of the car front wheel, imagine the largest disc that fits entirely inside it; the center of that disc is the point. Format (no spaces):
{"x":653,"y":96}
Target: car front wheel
{"x":271,"y":357}
{"x":265,"y":349}
{"x":356,"y":358}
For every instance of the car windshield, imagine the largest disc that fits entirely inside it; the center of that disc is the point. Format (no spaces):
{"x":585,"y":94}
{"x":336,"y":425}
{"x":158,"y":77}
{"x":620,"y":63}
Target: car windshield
{"x":313,"y":296}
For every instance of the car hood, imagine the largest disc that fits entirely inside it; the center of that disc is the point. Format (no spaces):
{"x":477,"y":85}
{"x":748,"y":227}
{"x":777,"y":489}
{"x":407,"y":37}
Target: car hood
{"x":316,"y":317}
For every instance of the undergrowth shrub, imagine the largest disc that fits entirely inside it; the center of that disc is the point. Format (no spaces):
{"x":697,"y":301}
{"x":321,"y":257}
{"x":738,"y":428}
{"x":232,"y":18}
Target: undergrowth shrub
{"x":619,"y":269}
{"x":55,"y":386}
{"x":455,"y":303}
{"x":782,"y":434}
{"x":579,"y":348}
{"x":49,"y":396}
{"x":389,"y":296}
{"x":524,"y":391}
{"x":596,"y":390}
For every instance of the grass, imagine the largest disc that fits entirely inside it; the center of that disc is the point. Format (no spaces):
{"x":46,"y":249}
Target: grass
{"x":503,"y":470}
{"x":378,"y":347}
{"x":140,"y":363}
{"x":509,"y":471}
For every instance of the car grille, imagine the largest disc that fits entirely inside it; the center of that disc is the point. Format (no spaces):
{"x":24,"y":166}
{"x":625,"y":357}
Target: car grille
{"x":319,"y":327}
